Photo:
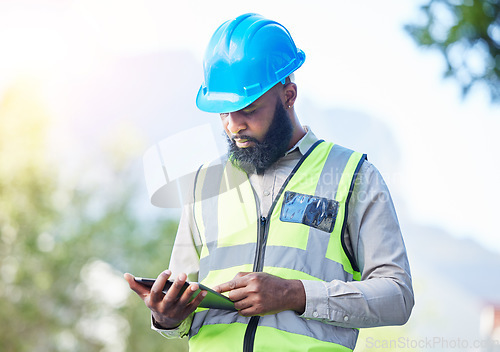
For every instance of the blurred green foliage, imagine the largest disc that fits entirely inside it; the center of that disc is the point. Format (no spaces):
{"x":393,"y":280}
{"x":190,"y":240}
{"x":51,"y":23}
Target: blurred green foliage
{"x":467,"y":33}
{"x":65,"y":243}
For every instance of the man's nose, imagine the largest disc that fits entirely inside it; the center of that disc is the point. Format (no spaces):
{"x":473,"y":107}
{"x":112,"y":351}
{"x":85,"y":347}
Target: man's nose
{"x":235,"y":122}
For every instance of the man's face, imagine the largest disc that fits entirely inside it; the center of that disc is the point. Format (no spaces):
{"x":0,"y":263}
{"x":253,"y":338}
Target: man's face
{"x":259,"y":134}
{"x":252,"y":121}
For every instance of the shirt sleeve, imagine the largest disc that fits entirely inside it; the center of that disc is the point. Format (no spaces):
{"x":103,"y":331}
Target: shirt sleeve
{"x":176,"y":333}
{"x":185,"y":256}
{"x":184,"y":259}
{"x":384,"y":296}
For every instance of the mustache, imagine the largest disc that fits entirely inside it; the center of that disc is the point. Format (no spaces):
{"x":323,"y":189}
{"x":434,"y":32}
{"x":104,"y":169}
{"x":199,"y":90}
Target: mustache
{"x":242,"y":136}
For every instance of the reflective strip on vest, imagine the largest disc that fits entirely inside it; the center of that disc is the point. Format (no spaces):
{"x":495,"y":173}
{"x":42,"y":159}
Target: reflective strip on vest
{"x":278,"y":332}
{"x":304,"y":241}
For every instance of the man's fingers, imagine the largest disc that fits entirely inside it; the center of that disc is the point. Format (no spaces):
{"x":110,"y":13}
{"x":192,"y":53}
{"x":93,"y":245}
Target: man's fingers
{"x":237,"y":294}
{"x":188,"y":294}
{"x":157,"y":288}
{"x":171,"y":308}
{"x":246,"y":312}
{"x":237,"y":282}
{"x":177,"y":287}
{"x":242,"y":273}
{"x":196,"y":301}
{"x":226,"y":286}
{"x":141,"y":290}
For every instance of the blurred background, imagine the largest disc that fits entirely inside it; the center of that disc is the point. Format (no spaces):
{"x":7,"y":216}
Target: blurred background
{"x":88,"y":86}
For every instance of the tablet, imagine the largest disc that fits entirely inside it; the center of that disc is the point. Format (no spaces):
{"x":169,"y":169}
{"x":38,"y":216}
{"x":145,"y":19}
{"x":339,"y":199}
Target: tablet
{"x":213,"y":299}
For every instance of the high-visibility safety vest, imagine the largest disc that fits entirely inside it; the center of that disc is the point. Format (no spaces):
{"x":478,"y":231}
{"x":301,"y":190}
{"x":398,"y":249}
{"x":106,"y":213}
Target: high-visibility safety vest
{"x":300,"y":238}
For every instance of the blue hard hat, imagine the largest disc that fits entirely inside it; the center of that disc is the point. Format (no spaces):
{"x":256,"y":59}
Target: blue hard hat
{"x":245,"y":58}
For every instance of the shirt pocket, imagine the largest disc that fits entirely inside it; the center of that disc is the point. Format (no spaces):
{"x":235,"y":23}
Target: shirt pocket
{"x":317,"y":212}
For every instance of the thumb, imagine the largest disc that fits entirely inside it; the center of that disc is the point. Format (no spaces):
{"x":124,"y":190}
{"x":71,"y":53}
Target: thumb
{"x":141,"y":290}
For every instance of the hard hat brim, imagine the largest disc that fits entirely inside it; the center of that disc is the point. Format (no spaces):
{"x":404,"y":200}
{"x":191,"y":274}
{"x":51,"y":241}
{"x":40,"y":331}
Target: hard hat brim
{"x":224,"y":102}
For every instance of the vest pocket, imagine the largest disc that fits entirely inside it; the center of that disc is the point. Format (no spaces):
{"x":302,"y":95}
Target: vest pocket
{"x":317,"y":212}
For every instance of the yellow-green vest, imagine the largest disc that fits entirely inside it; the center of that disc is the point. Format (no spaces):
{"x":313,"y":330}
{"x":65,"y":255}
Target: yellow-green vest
{"x":300,"y":238}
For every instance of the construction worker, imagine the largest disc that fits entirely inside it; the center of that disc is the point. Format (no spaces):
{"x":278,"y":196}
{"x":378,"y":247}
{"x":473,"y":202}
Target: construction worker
{"x":300,"y":233}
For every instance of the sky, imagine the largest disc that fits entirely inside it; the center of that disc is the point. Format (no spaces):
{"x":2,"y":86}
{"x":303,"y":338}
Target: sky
{"x":358,"y":58}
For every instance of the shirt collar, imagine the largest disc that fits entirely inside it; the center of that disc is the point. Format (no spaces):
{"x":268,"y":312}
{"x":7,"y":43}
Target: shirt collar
{"x":305,"y":142}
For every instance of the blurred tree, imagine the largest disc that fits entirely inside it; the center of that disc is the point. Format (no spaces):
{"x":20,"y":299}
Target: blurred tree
{"x":467,"y":33}
{"x":61,"y":242}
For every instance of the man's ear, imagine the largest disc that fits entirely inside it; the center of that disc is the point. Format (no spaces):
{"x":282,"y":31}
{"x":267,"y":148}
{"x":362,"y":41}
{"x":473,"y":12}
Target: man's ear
{"x":290,"y":93}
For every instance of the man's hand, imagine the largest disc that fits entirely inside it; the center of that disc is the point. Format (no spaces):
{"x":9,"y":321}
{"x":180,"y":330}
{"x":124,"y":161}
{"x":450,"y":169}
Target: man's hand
{"x":168,"y":310}
{"x":262,"y":293}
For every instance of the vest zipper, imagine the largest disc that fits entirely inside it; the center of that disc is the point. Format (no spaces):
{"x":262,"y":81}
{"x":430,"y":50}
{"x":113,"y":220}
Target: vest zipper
{"x":261,"y":243}
{"x":250,"y":334}
{"x":257,"y":266}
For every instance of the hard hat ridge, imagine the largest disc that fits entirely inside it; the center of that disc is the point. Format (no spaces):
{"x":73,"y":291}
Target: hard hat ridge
{"x":245,"y":57}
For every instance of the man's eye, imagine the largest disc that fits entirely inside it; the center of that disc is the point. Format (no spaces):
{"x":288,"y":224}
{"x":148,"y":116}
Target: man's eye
{"x":249,"y":112}
{"x":224,"y":115}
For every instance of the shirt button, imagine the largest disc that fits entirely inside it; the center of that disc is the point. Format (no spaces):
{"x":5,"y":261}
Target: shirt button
{"x":346,"y":318}
{"x":315,"y":314}
{"x":266,"y":193}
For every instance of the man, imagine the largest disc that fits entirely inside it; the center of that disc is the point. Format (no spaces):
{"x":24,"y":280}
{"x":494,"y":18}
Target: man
{"x":300,"y":233}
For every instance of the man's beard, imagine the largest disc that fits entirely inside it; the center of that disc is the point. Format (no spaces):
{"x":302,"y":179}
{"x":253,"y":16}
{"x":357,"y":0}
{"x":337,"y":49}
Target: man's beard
{"x":262,"y":155}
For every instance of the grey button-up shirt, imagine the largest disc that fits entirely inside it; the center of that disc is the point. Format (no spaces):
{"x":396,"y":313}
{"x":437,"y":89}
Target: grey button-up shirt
{"x":384,"y":296}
